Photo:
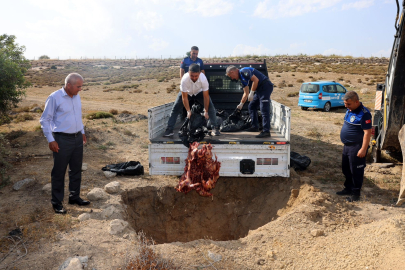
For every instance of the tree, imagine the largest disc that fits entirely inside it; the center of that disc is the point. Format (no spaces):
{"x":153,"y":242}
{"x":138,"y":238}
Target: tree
{"x":188,"y":54}
{"x":13,"y":66}
{"x":44,"y":57}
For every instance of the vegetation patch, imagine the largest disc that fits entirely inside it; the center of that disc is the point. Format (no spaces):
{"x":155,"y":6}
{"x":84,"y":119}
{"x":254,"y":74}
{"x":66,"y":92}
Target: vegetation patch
{"x":98,"y":115}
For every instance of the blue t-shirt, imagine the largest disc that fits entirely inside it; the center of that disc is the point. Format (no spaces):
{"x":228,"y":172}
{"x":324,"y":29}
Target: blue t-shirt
{"x":188,"y":61}
{"x":246,"y":73}
{"x":355,"y":122}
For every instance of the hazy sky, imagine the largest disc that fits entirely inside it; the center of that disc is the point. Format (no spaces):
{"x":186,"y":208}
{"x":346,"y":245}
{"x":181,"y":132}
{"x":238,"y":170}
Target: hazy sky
{"x":160,"y":28}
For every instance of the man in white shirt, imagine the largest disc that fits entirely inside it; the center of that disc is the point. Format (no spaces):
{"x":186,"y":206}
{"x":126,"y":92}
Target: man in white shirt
{"x":193,"y":86}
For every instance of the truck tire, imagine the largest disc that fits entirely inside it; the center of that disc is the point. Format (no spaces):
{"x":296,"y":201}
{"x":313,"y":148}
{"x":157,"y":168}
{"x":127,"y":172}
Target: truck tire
{"x":327,"y":107}
{"x":304,"y":108}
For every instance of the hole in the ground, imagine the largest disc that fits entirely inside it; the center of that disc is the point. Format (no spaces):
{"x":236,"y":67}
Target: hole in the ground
{"x":239,"y":205}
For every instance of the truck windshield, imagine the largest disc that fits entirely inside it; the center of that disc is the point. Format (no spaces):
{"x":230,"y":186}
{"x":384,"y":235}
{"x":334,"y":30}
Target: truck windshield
{"x":309,"y":88}
{"x":223,"y":84}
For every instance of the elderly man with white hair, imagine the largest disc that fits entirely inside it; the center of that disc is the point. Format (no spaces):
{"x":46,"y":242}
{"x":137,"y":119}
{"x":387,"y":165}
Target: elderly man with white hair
{"x":62,"y":125}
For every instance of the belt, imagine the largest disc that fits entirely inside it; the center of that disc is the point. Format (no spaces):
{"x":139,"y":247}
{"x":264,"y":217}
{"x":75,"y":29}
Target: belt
{"x":68,"y":134}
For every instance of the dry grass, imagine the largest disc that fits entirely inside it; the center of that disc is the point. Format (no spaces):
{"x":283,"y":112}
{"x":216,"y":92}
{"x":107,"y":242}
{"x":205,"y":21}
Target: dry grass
{"x":98,"y":115}
{"x":293,"y":94}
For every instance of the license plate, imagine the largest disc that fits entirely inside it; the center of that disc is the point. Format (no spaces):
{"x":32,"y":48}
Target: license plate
{"x":308,"y":100}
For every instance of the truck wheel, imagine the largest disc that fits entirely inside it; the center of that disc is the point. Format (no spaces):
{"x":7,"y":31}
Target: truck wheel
{"x":327,"y":107}
{"x":304,"y":108}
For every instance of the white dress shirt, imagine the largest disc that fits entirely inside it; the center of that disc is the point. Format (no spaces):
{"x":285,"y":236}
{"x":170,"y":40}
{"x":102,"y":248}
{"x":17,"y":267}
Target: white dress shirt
{"x":193,"y":88}
{"x":62,"y":113}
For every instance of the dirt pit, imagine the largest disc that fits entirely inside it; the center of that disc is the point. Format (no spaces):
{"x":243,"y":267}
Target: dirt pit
{"x":238,"y":205}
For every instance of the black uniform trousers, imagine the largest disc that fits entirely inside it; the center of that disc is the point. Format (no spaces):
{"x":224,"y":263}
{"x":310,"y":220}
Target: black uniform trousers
{"x":353,"y":168}
{"x":70,"y":153}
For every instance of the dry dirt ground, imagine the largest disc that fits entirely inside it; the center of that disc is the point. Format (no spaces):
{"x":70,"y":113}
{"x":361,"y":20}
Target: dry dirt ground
{"x":272,"y":223}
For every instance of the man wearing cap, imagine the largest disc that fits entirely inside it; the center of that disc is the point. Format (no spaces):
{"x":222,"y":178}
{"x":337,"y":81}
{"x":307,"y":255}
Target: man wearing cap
{"x":260,"y":90}
{"x":62,"y":125}
{"x":355,"y":135}
{"x":193,"y":59}
{"x":193,"y":86}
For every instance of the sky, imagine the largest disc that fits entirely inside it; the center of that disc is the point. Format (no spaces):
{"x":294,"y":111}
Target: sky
{"x":131,"y":29}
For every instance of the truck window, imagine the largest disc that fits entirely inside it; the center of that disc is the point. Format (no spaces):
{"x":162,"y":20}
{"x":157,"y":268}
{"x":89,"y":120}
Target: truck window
{"x":223,"y":84}
{"x":309,"y":88}
{"x":340,"y":89}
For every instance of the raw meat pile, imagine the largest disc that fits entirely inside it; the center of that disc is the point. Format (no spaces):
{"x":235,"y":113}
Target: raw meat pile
{"x":201,"y":171}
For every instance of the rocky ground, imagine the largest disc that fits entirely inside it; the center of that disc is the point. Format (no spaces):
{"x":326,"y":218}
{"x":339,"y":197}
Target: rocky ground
{"x":294,"y":223}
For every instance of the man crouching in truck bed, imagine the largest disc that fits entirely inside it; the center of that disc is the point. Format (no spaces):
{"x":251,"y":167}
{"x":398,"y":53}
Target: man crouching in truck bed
{"x":193,"y":86}
{"x":262,"y":86}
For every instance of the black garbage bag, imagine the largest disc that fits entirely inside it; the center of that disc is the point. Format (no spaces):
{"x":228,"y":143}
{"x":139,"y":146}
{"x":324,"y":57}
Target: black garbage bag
{"x":125,"y":168}
{"x":195,"y":128}
{"x":298,"y":162}
{"x":221,"y":117}
{"x":236,"y":121}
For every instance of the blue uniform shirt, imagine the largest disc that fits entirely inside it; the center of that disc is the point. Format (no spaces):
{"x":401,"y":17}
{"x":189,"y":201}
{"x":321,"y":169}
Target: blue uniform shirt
{"x":246,"y":73}
{"x":355,"y":122}
{"x":188,"y":61}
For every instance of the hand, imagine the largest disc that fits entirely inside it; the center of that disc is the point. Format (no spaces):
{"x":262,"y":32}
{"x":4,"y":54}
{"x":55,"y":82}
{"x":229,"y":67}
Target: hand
{"x":84,"y":139}
{"x":240,"y":106}
{"x":250,"y":97}
{"x":206,"y":115}
{"x":188,"y":114}
{"x":362,"y":153}
{"x":54,"y":146}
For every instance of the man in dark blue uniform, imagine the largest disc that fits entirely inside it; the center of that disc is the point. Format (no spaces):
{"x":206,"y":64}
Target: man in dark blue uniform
{"x":262,"y":86}
{"x":355,"y":135}
{"x":193,"y":59}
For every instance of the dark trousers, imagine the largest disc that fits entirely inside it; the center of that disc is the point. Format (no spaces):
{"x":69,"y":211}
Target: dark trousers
{"x":178,"y":108}
{"x":353,"y":168}
{"x":70,"y":153}
{"x":262,"y":98}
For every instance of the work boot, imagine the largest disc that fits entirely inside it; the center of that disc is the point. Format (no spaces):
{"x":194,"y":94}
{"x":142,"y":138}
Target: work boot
{"x":344,"y":192}
{"x":353,"y":198}
{"x":168,"y":133}
{"x":263,"y":135}
{"x":252,"y":129}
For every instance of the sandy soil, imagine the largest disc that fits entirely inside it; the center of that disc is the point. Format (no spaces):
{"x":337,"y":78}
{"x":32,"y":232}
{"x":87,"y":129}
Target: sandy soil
{"x":294,"y":223}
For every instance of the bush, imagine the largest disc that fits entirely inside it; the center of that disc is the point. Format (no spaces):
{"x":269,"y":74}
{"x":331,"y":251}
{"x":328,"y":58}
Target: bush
{"x":98,"y":115}
{"x":4,"y":165}
{"x":23,"y":117}
{"x":54,"y":67}
{"x":113,"y":111}
{"x":44,"y":57}
{"x":294,"y":94}
{"x":300,"y":81}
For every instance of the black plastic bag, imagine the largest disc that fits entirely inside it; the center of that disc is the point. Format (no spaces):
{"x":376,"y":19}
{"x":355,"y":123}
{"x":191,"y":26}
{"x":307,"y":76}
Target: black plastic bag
{"x":236,"y":121}
{"x":195,"y":128}
{"x":125,"y":168}
{"x":298,"y":162}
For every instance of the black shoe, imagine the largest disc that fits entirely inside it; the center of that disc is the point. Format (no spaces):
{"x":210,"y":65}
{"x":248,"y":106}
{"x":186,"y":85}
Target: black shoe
{"x":344,"y":192}
{"x":263,"y":135}
{"x":168,"y":133}
{"x":353,"y":198}
{"x":79,"y":201}
{"x":252,"y":129}
{"x":59,"y":209}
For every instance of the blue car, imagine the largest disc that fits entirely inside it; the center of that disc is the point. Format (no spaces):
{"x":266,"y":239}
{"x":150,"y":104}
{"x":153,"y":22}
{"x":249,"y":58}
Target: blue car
{"x":321,"y":95}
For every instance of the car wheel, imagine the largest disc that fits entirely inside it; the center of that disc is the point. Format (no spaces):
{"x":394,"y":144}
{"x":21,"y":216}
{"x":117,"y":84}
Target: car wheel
{"x":327,"y":107}
{"x":304,"y":108}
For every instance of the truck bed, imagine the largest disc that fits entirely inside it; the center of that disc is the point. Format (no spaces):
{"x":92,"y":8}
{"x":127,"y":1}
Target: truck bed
{"x":241,"y":137}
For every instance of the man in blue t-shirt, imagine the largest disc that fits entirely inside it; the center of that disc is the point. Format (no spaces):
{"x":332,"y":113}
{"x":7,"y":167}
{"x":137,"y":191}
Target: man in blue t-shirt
{"x":262,"y":86}
{"x":355,"y":135}
{"x":193,"y":59}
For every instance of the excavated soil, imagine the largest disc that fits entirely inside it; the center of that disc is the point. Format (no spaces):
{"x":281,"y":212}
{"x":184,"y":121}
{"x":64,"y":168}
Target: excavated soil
{"x":238,"y":206}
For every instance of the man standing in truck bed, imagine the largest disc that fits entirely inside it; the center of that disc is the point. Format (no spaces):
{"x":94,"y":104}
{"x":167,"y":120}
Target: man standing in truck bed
{"x":193,"y":86}
{"x":262,"y":86}
{"x":193,"y":59}
{"x":355,"y":135}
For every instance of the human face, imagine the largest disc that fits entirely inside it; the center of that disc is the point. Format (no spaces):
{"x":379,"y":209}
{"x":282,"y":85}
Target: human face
{"x":234,"y":75}
{"x":72,"y":89}
{"x":194,"y":76}
{"x":194,"y":55}
{"x":351,"y":105}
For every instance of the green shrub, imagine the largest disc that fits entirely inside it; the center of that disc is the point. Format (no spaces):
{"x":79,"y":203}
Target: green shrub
{"x":99,"y":115}
{"x":44,"y":57}
{"x":23,"y":117}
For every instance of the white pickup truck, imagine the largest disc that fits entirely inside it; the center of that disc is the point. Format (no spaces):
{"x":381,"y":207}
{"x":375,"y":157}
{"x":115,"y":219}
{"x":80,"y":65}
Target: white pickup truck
{"x":240,"y":153}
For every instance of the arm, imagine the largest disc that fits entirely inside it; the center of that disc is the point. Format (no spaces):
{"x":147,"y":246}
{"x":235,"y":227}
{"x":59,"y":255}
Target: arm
{"x":206,"y":96}
{"x":186,"y":105}
{"x":255,"y":83}
{"x":45,"y":120}
{"x":366,"y":140}
{"x":245,"y":94}
{"x":181,"y":72}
